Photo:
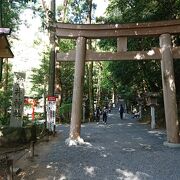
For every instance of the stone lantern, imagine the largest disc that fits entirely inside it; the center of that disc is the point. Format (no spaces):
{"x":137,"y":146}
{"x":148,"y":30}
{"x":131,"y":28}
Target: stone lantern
{"x":151,"y":99}
{"x":139,"y":100}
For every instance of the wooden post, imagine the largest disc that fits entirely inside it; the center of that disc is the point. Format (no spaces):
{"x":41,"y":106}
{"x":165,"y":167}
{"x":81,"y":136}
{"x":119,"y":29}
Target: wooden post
{"x":169,"y":90}
{"x":76,"y":114}
{"x":122,"y":44}
{"x":10,"y":169}
{"x":32,"y":149}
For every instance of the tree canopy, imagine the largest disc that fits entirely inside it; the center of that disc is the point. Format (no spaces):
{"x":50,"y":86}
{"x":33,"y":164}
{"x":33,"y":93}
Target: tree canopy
{"x":126,"y":79}
{"x":145,"y":75}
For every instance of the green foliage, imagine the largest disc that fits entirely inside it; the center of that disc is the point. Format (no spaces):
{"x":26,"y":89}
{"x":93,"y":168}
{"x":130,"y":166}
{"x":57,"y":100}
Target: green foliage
{"x":10,"y":12}
{"x":142,"y":10}
{"x":40,"y":77}
{"x":65,"y":108}
{"x":65,"y":111}
{"x":136,"y":77}
{"x":6,"y":94}
{"x":108,"y":45}
{"x":107,"y":81}
{"x":78,"y":11}
{"x":67,"y":77}
{"x":24,"y":1}
{"x":66,"y":45}
{"x":39,"y":116}
{"x":67,"y":70}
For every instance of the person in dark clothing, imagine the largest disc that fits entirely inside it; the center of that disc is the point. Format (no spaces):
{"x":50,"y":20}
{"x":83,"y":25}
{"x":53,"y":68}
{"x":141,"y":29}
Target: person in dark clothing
{"x":105,"y":115}
{"x":121,"y":111}
{"x":98,"y":112}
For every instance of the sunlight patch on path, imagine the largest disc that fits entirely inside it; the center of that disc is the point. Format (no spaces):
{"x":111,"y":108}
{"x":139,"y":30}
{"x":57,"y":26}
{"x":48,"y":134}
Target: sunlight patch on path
{"x":49,"y":166}
{"x":128,"y":175}
{"x":90,"y":170}
{"x":138,"y":138}
{"x":129,"y":149}
{"x":76,"y":142}
{"x":130,"y":124}
{"x":145,"y":146}
{"x":157,"y":133}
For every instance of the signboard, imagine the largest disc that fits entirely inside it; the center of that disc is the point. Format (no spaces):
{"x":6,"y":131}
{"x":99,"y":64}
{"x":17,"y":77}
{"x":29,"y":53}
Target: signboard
{"x":17,"y":100}
{"x":51,"y":112}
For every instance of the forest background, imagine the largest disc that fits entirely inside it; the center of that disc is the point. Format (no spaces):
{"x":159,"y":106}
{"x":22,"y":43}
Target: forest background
{"x":104,"y":81}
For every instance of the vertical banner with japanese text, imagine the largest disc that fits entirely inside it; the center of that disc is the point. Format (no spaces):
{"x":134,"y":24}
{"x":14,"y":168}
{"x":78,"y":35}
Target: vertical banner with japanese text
{"x":51,"y":112}
{"x":17,"y":100}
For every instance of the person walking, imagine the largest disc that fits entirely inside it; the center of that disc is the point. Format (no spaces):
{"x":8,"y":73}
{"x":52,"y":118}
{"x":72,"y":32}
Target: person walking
{"x":97,"y":114}
{"x":105,"y":115}
{"x":121,"y":111}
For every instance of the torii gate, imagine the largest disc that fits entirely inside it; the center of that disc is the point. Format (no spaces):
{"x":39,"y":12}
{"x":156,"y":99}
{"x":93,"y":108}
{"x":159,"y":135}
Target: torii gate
{"x":166,"y":53}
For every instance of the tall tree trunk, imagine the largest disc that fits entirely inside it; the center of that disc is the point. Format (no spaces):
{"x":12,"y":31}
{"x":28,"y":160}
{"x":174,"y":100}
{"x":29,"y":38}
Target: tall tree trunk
{"x":50,"y":9}
{"x":6,"y":72}
{"x":58,"y":86}
{"x":98,"y":92}
{"x":65,"y":3}
{"x":1,"y":24}
{"x":1,"y":59}
{"x":90,"y":72}
{"x":52,"y":52}
{"x":90,"y":91}
{"x":1,"y":68}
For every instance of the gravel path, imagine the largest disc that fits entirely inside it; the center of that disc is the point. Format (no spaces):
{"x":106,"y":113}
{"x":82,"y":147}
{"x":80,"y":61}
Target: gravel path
{"x":122,"y":150}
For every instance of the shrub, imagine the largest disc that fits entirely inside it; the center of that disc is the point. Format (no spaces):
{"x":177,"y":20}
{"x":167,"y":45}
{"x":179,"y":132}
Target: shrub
{"x":65,"y":113}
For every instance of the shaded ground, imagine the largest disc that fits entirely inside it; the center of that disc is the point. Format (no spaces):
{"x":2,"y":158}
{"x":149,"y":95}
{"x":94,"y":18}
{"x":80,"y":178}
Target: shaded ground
{"x":122,"y":150}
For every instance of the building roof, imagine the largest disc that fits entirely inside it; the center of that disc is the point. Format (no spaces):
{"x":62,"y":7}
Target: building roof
{"x":5,"y":51}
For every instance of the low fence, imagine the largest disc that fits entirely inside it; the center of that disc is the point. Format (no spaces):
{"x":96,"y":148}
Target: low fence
{"x":9,"y":157}
{"x":6,"y":168}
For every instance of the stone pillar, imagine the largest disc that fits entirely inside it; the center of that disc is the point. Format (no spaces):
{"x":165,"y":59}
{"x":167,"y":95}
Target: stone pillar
{"x":153,"y":120}
{"x":76,"y":114}
{"x":169,"y":90}
{"x":140,"y":111}
{"x":17,"y":100}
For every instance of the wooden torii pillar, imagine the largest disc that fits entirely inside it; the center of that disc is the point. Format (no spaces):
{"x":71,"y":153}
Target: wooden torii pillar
{"x":169,"y":90}
{"x":165,"y":53}
{"x":76,"y":114}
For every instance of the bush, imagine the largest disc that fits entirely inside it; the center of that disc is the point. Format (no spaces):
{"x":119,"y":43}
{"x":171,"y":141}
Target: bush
{"x":39,"y":116}
{"x":65,"y":113}
{"x":4,"y":120}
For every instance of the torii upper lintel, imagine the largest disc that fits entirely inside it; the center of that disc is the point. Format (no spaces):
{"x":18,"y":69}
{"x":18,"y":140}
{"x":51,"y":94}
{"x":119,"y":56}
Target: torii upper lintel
{"x":96,"y":31}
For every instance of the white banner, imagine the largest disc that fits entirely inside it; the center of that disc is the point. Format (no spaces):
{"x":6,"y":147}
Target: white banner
{"x":51,"y":112}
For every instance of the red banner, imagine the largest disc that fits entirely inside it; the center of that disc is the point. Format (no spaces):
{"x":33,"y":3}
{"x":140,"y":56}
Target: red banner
{"x":51,"y":98}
